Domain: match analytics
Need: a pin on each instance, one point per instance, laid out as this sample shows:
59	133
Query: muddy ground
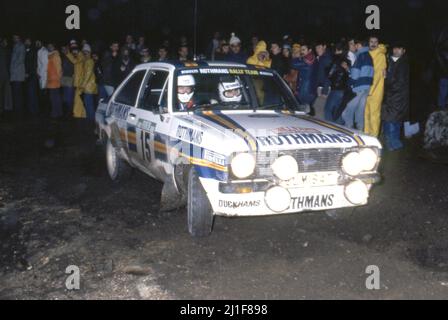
58	208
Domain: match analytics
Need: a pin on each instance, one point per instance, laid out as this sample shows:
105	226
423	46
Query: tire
117	168
200	212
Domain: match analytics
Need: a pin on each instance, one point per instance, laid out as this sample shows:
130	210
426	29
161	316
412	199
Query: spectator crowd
361	84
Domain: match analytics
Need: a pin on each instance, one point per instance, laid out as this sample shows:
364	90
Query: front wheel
200	212
117	168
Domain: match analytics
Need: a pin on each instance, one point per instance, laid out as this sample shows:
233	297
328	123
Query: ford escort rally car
232	140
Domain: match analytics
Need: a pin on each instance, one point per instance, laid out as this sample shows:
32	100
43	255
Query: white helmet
186	81
225	87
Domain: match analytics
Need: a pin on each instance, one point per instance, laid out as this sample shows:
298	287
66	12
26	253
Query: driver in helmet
230	91
185	92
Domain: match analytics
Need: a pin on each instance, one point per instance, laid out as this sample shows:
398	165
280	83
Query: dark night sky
410	20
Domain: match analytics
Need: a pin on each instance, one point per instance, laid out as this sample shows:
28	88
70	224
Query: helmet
226	86
186	81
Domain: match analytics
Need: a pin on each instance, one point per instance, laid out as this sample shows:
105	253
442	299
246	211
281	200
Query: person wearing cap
88	83
395	108
186	85
236	54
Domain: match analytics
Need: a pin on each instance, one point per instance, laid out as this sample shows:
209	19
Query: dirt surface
58	208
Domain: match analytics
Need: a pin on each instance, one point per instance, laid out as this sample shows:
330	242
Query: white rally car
231	140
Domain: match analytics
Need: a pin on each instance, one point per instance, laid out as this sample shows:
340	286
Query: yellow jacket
254	60
375	99
380	65
78	62
88	82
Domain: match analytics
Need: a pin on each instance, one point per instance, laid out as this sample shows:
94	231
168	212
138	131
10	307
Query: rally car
232	140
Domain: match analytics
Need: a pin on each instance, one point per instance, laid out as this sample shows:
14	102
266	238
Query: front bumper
249	200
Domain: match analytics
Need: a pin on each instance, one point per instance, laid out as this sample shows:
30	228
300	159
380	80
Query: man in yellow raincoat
77	58
261	56
375	99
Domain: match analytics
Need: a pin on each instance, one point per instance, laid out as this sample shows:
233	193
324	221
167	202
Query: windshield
231	89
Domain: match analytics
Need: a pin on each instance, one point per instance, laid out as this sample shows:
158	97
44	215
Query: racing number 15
145	139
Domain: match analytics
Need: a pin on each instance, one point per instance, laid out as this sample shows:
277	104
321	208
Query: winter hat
87	48
287	46
234	40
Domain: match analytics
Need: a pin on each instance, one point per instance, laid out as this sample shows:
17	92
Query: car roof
176	65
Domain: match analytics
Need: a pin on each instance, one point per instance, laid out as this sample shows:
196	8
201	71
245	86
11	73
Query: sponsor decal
244	72
147	125
289	130
190	71
214	157
118	111
239	204
312	202
305	139
189	134
213	71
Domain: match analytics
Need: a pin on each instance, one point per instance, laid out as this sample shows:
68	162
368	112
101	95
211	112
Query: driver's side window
155	91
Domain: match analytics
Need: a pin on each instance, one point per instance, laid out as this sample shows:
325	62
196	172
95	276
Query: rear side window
129	93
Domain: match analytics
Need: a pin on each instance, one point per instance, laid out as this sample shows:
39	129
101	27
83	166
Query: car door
122	110
152	121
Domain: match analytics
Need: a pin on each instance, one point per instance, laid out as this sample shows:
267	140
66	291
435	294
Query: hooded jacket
375	99
18	62
253	60
361	75
88	79
54	71
78	62
396	98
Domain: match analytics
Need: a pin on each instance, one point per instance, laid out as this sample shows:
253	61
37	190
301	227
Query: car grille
314	160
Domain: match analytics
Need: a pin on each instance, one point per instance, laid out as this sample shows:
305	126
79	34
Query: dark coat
396	96
338	76
280	64
5	60
31	63
320	73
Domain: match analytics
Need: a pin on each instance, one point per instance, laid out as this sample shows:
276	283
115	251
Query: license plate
313	180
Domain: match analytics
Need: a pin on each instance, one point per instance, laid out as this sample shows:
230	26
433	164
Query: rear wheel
117	168
200	212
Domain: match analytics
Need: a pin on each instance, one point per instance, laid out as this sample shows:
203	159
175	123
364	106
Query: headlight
278	199
357	193
369	159
285	168
243	165
352	164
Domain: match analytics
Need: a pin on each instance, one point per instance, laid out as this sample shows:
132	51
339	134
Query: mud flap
171	198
